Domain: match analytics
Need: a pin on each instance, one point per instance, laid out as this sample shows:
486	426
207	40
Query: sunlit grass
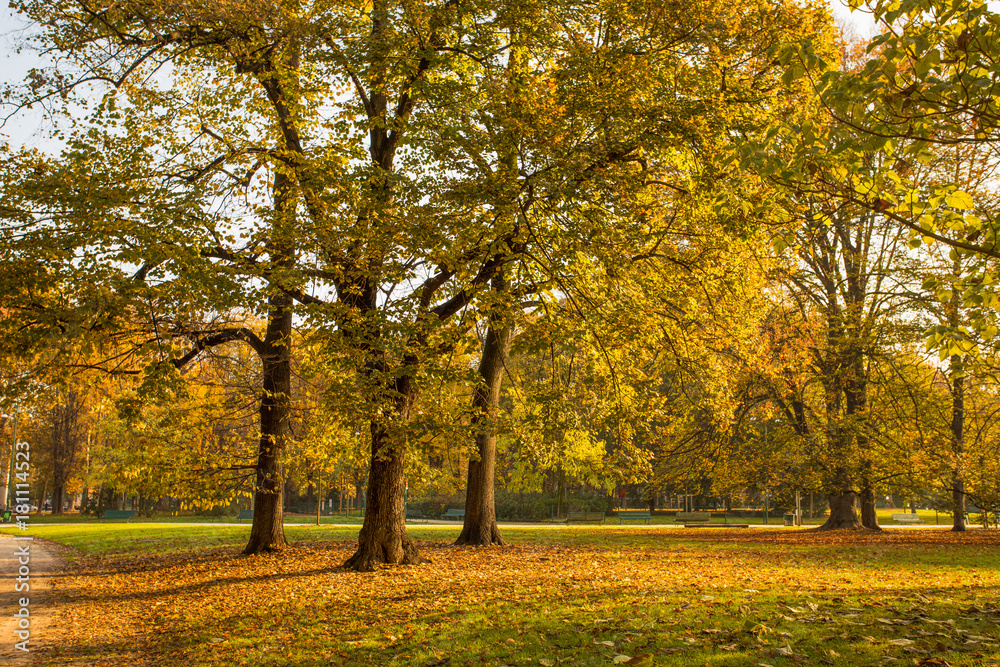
181	595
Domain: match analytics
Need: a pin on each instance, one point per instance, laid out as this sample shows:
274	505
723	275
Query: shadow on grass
677	598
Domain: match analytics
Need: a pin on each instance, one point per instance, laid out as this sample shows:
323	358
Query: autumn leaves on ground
180	595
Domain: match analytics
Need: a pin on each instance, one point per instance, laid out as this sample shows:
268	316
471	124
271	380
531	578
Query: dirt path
44	565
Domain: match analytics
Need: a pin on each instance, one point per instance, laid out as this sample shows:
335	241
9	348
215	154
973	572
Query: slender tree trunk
319	500
383	538
480	527
61	434
268	530
958	445
4	469
561	491
66	435
41	496
6	457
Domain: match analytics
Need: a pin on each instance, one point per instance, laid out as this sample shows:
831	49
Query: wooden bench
454	514
245	515
581	517
415	514
634	515
128	515
906	518
703	520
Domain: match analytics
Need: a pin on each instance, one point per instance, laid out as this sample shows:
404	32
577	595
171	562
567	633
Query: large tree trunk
383	538
842	514
268	530
58	497
958	445
869	519
480	527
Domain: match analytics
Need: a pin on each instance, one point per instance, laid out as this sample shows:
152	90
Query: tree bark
480	527
869	518
957	446
383	538
842	514
319	500
45	486
60	414
268	530
65	442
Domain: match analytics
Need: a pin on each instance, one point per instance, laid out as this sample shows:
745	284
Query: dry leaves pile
906	597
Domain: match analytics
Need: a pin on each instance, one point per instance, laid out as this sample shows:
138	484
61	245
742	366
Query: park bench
702	520
634	515
245	515
906	518
414	514
454	514
581	517
128	515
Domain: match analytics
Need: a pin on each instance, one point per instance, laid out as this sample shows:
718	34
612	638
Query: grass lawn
181	595
189	518
928	517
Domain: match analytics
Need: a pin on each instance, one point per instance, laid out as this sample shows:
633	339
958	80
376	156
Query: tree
677	144
154	171
337	162
854	276
922	87
480	523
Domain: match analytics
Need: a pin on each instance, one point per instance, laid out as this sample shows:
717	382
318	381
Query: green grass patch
157	594
191	518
